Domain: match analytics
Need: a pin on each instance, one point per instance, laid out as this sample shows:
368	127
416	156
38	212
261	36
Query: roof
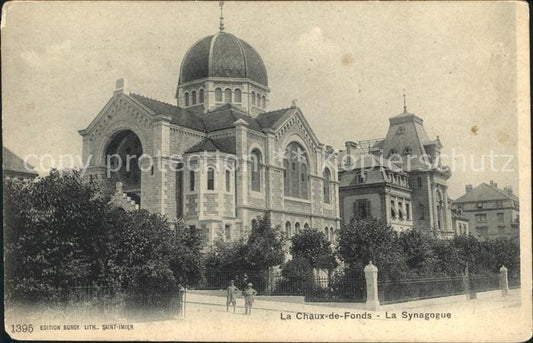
226	144
268	119
222	117
15	164
225	115
222	55
485	192
179	115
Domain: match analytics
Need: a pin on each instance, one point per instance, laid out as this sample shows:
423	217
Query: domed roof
222	55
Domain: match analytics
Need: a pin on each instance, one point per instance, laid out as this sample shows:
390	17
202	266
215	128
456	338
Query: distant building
13	167
492	212
375	188
415	158
460	223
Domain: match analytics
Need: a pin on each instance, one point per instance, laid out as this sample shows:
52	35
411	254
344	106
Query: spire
404	103
221	4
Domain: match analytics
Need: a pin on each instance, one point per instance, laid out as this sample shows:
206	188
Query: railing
336	289
344	288
417	289
514	280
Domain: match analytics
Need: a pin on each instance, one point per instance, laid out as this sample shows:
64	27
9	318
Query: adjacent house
14	167
492	212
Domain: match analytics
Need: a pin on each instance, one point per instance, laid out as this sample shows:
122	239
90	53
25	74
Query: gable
120	108
294	123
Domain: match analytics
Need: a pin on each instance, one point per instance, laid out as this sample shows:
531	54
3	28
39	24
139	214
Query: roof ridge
281	109
153	99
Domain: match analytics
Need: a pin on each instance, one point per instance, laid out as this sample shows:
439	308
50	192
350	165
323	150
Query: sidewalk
485	301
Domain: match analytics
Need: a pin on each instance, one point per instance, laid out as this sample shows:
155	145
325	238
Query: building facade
372	187
218	158
408	148
491	212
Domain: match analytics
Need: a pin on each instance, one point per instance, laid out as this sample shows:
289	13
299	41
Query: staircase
122	199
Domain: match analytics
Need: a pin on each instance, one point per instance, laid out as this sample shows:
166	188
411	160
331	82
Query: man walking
231	296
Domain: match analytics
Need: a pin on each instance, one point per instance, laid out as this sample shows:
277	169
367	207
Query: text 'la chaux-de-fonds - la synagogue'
219	157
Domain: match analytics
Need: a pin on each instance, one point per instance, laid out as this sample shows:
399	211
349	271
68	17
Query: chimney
508	189
468	188
350	147
493	184
121	86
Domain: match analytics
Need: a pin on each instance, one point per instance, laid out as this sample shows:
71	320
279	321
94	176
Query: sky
346	63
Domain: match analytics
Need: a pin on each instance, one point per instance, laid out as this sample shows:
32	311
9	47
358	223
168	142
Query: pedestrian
231	296
249	294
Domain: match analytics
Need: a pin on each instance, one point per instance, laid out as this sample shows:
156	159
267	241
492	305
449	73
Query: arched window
186	99
407	150
227	230
303	180
297	228
421	210
218	95
193	97
191	180
238	96
306	226
258	100
295	174
286	182
264	103
201	96
253	98
288	229
255	156
228	180
332	234
393	152
211	179
326	232
227	95
327	180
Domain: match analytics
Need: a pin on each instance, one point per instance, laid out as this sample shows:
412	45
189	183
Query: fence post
504	283
371	277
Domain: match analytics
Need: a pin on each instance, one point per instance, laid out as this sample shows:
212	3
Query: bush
62	232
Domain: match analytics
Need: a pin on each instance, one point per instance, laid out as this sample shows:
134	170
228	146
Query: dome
222	55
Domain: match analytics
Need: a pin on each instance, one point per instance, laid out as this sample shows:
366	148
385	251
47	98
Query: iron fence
417	289
336	289
514	280
352	288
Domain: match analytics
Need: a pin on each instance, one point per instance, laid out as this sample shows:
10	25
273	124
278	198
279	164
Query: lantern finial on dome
221	4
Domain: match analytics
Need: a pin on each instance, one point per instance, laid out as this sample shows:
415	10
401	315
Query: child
249	294
231	295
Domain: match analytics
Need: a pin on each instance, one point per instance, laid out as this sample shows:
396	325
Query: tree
61	231
416	247
364	240
264	247
312	245
50	226
500	252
